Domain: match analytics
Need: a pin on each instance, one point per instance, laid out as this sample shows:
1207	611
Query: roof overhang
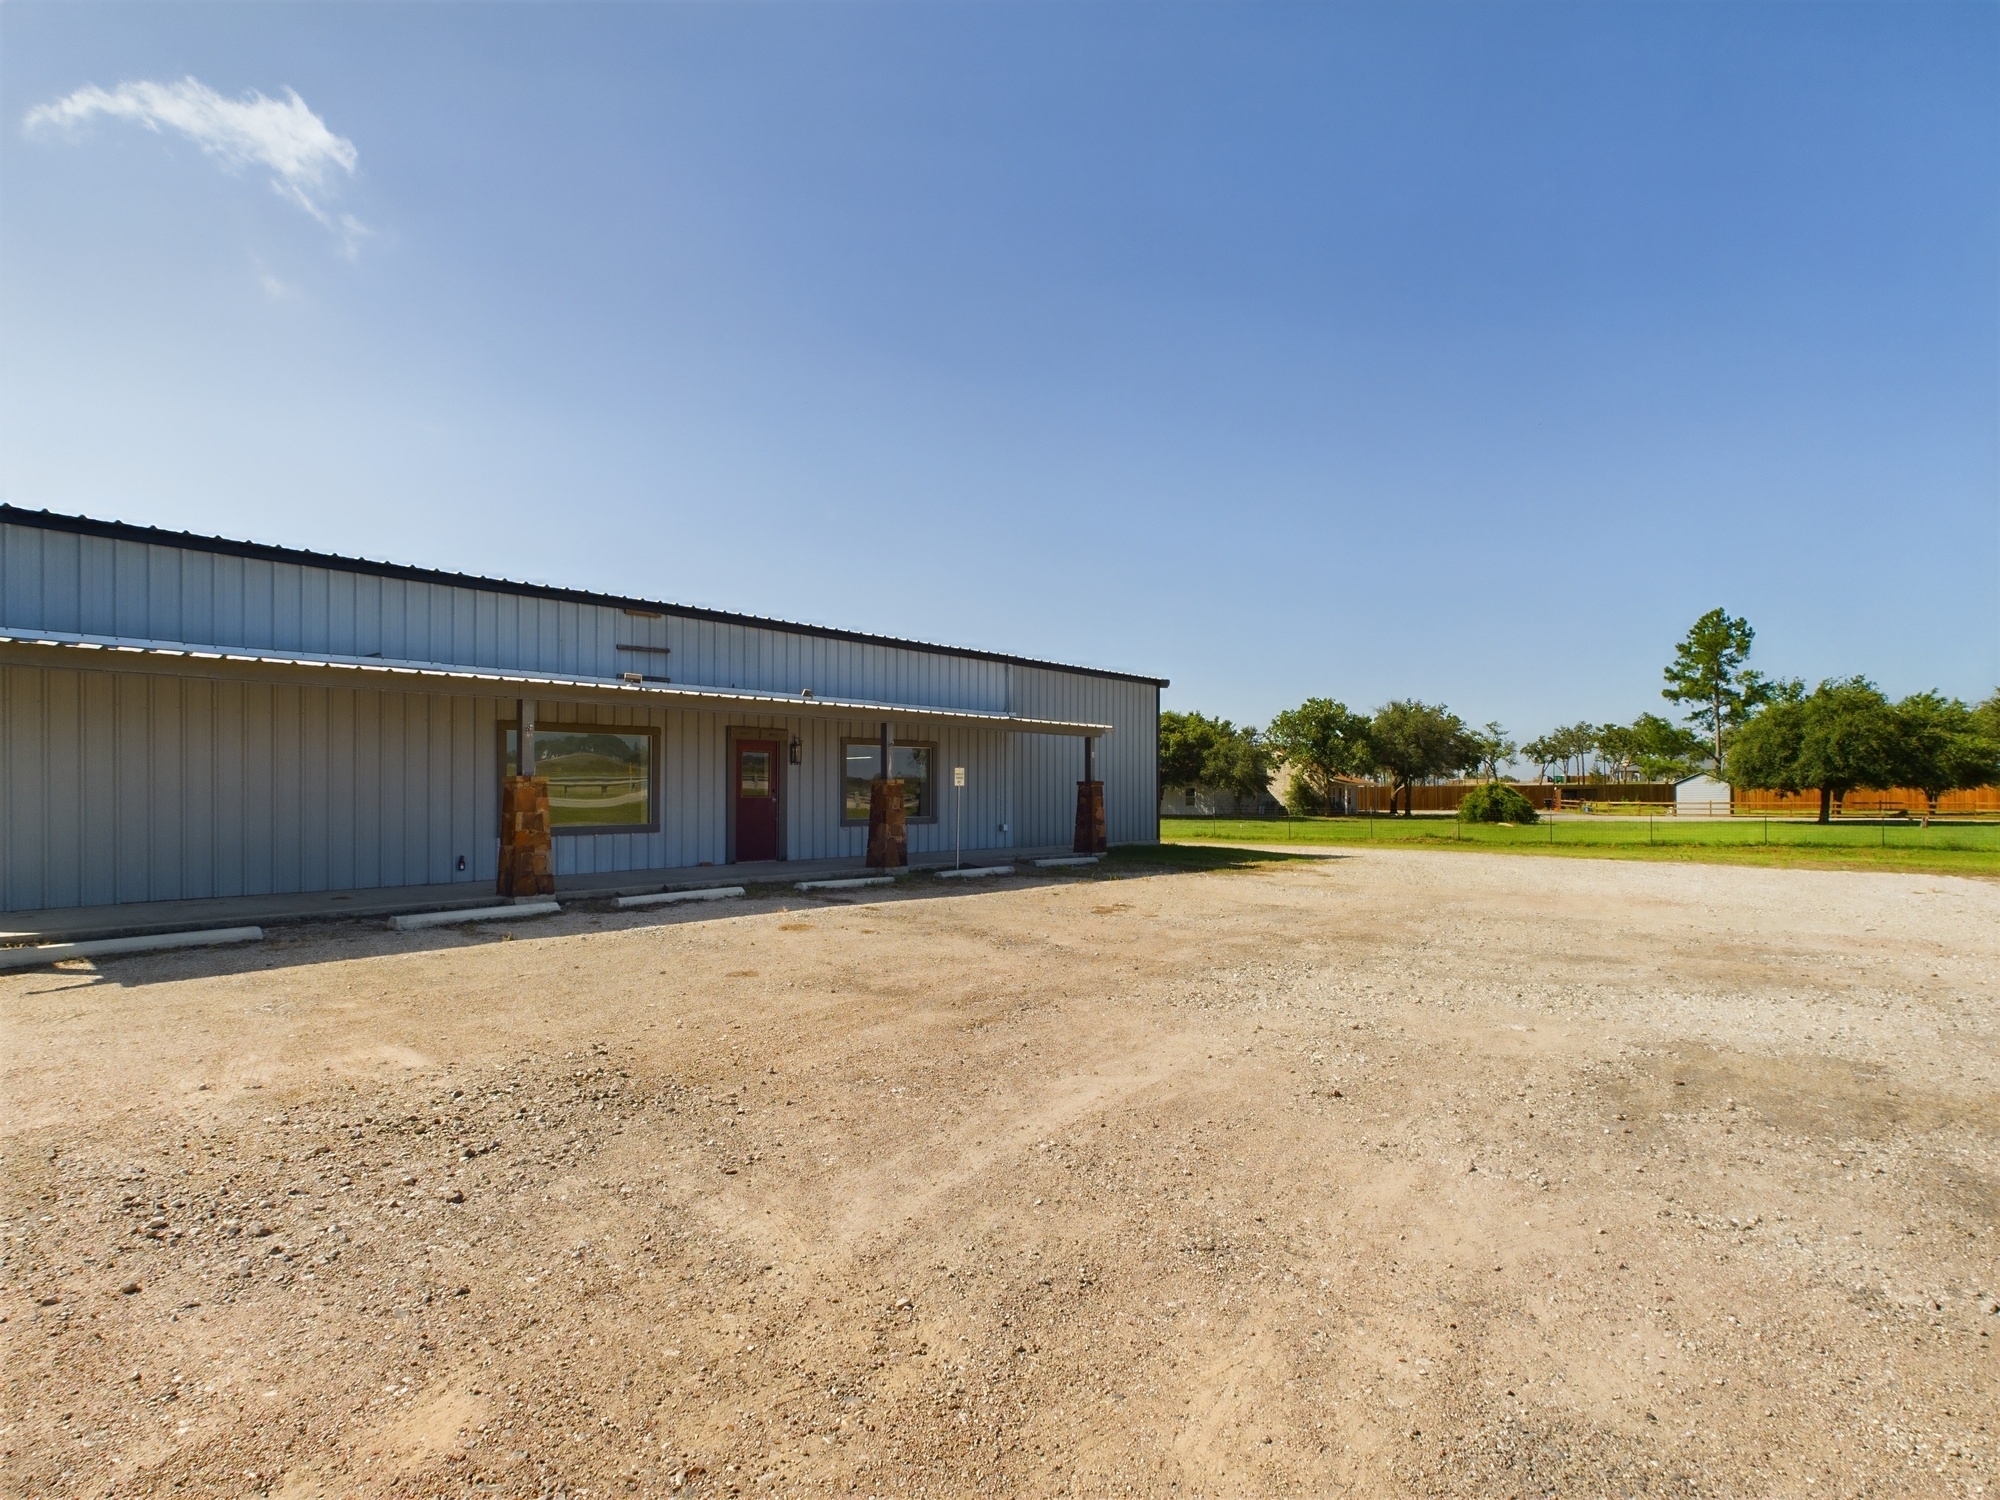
219	663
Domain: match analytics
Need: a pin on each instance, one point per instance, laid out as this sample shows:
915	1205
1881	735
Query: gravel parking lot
1380	1173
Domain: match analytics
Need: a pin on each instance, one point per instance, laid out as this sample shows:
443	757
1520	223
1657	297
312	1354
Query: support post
888	841
1089	804
524	736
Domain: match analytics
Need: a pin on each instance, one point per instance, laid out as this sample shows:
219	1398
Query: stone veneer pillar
526	866
1089	817
888	843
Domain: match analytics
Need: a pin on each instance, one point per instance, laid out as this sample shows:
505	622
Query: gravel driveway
1387	1173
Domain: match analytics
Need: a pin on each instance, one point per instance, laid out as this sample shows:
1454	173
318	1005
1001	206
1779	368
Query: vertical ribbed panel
1127	760
123	786
56	580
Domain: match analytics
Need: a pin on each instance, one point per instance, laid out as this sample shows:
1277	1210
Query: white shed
1701	796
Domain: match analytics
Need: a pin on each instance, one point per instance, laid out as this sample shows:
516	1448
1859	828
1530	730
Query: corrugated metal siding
123	786
57	580
1127	760
126	787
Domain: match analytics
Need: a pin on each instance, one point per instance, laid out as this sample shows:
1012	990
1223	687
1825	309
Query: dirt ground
1386	1173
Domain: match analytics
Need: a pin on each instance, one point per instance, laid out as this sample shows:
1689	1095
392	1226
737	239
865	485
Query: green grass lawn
1943	848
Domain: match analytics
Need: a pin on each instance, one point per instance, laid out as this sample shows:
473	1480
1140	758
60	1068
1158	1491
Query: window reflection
598	777
911	763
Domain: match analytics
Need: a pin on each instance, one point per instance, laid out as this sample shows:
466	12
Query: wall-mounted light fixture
794	749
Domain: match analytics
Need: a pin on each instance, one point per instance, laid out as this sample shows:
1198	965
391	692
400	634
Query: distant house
1213	802
1347	794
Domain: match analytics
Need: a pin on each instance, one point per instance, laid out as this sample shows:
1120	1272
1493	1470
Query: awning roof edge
184	658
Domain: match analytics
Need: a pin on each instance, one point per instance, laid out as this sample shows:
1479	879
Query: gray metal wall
120	786
123	786
56	580
1047	767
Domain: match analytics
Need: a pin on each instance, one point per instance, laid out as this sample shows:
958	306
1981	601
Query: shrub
1495	802
1302	800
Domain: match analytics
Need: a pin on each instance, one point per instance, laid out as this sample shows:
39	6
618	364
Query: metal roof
192	660
159	537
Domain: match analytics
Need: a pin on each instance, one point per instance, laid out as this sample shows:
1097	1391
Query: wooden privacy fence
1645	796
1363	797
1545	796
1872	802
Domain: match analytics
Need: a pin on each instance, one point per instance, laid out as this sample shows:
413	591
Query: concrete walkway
77	923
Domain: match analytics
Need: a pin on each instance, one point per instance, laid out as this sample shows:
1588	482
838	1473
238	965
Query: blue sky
1459	352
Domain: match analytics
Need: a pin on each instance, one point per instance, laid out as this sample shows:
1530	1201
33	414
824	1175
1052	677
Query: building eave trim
53	648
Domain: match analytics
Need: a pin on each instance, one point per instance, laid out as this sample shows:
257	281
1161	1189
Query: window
912	763
600	776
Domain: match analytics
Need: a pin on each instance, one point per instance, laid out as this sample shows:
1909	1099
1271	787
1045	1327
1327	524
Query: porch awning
179	658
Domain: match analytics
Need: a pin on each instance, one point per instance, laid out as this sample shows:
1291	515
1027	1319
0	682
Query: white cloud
280	134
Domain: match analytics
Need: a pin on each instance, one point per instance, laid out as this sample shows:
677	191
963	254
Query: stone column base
526	865
888	843
1089	817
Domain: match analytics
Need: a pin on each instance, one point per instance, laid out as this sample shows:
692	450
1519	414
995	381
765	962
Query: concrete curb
1067	861
663	898
415	920
49	953
844	885
974	872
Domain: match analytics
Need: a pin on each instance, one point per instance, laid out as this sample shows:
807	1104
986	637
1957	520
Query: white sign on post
958	775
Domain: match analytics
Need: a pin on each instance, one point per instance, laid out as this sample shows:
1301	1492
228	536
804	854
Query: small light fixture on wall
794	749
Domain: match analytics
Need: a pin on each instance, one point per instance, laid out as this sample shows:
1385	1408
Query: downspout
1156	763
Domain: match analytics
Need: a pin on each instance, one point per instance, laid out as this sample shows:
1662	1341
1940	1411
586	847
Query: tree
1944	747
1666	752
1414	741
1618	750
1850	741
1656	749
1196	750
1240	763
1569	747
1543	752
1495	749
1186	742
1765	751
1987	714
1319	742
1840	736
1708	671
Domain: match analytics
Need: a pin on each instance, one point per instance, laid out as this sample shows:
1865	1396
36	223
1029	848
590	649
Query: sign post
957	811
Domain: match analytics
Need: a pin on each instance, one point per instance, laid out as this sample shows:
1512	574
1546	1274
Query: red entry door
756	799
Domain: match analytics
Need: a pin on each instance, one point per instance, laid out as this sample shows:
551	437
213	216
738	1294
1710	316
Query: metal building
186	717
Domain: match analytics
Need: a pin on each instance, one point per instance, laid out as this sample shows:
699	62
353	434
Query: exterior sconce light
794	749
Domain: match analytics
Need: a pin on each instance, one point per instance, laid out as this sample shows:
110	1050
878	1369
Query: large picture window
600	775
912	763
